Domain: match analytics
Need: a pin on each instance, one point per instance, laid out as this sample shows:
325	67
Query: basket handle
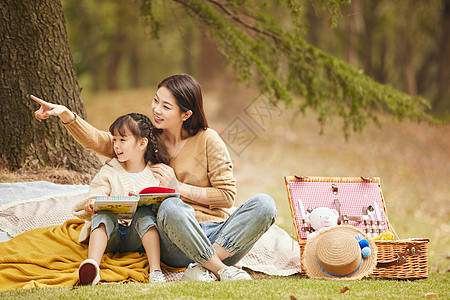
401	258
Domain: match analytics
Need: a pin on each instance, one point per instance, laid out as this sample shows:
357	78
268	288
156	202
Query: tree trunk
406	44
116	48
370	23
35	59
442	102
135	63
354	29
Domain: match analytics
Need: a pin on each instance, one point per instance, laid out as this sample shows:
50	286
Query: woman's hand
49	109
89	206
165	175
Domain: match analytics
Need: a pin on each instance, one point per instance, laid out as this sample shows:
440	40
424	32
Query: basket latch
334	188
413	250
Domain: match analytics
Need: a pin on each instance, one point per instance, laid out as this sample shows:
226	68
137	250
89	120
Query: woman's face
166	112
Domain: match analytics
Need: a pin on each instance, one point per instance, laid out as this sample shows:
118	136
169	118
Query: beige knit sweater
203	161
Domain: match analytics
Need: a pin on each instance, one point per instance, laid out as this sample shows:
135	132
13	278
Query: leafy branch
258	46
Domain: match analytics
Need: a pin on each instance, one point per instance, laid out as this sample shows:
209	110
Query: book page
123	207
158	198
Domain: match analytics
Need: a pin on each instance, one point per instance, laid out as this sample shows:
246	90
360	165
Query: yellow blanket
50	256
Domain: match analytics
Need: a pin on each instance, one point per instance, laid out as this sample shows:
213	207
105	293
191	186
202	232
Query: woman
196	231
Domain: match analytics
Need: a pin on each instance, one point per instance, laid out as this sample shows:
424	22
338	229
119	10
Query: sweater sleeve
222	192
90	137
100	186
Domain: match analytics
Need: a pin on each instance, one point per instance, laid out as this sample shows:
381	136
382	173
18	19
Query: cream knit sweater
112	180
203	161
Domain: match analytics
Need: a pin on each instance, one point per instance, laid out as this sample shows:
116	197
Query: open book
124	207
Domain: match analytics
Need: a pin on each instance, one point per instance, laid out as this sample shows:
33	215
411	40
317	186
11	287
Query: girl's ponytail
156	147
156	152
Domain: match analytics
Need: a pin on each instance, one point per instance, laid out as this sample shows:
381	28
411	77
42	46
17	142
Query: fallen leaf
430	294
293	298
344	289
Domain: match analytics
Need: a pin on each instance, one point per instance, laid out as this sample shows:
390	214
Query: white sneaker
89	272
156	277
196	272
232	273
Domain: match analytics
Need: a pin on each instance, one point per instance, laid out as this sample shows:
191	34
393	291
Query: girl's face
166	112
128	148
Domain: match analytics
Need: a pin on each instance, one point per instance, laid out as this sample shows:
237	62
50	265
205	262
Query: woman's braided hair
141	127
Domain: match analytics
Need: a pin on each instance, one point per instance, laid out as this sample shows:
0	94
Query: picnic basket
351	196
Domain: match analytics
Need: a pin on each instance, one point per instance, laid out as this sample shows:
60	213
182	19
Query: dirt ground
55	175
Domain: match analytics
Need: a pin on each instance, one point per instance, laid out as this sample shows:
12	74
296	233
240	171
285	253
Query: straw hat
335	253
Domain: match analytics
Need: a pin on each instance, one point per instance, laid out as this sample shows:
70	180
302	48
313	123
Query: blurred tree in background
405	44
281	47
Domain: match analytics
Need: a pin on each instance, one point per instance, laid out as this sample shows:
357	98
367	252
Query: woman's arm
219	170
48	109
166	176
87	135
222	193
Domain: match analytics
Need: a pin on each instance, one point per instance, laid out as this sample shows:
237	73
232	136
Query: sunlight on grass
276	288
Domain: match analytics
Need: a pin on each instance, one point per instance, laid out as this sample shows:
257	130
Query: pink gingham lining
352	198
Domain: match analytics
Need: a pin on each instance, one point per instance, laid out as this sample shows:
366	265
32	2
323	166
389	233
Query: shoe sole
87	274
185	278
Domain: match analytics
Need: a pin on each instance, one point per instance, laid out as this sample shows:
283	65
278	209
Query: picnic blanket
45	251
50	256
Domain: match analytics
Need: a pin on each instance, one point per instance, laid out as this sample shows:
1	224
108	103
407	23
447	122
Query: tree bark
35	59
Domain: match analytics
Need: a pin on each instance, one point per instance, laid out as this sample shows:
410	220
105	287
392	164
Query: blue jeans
122	238
184	240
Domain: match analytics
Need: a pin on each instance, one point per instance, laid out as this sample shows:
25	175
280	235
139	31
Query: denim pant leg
181	236
143	220
112	229
245	226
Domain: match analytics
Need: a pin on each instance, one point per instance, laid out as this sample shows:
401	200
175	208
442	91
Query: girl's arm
87	135
100	186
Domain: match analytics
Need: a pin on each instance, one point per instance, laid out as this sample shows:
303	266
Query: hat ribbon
362	259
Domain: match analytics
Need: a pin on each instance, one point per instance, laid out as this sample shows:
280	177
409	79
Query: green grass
412	160
274	288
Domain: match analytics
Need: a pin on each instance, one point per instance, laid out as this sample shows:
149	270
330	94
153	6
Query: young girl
129	172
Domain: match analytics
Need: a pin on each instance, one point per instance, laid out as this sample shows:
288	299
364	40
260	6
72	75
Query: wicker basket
401	259
398	259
